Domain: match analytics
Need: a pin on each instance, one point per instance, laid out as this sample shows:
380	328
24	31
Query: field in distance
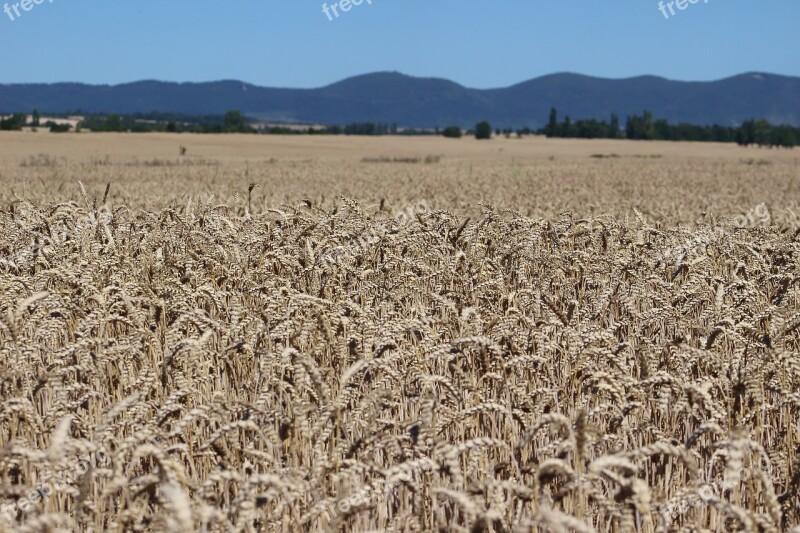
668	182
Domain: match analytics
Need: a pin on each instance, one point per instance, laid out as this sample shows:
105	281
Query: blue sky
292	43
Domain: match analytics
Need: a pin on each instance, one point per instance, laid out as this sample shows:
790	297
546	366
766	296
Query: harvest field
397	334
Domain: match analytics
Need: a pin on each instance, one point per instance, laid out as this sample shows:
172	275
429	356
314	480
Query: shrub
58	128
483	130
452	132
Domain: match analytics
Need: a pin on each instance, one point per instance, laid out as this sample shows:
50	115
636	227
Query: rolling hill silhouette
391	97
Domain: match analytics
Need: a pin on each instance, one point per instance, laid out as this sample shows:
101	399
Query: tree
452	132
114	123
35	118
552	124
235	122
763	132
613	128
14	122
590	129
783	136
483	130
566	129
649	126
59	128
721	134
747	133
641	128
663	130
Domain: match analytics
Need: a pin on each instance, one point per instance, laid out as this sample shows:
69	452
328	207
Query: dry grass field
397	335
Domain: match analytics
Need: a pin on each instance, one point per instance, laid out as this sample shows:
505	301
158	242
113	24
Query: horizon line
402	74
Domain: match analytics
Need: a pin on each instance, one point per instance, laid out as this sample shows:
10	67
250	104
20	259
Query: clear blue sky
291	43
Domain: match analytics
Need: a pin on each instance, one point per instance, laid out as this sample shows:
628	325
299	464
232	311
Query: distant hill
391	97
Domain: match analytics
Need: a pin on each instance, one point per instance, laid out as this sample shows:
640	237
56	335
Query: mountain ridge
409	101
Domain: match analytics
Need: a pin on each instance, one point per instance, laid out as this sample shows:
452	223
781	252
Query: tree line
17	121
636	127
645	127
232	122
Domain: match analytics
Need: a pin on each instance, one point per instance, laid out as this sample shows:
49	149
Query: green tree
762	132
746	135
235	122
663	131
114	123
483	130
59	128
452	132
566	128
552	123
649	126
721	134
613	128
14	122
35	118
641	128
783	136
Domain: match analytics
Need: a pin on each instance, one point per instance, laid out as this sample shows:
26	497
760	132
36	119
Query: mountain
392	97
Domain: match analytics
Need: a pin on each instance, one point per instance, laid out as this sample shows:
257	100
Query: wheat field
348	334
